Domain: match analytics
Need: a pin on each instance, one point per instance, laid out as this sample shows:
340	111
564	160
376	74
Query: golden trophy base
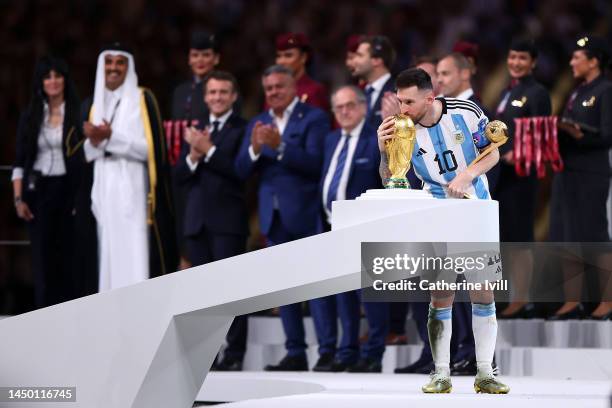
398	183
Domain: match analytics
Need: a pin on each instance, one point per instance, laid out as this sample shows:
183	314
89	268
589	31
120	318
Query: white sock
484	327
440	329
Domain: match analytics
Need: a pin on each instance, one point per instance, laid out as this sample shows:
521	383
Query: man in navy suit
285	146
215	223
372	63
350	168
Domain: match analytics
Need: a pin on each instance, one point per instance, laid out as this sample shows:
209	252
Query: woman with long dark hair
47	138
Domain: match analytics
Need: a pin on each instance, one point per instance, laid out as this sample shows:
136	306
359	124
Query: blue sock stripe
483	310
441	313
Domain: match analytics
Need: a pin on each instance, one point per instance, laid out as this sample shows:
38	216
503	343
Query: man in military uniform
293	51
585	137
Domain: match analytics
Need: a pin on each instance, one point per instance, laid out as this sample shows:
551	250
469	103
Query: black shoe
366	366
324	364
289	363
410	369
466	366
528	311
336	366
228	364
575	313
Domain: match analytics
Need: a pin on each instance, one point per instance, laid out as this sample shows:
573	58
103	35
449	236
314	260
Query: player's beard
417	118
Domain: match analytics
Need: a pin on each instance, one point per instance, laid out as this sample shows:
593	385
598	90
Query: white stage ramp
150	345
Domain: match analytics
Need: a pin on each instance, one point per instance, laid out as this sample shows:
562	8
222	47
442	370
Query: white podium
430	219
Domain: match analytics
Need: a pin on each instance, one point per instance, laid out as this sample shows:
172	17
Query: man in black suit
215	223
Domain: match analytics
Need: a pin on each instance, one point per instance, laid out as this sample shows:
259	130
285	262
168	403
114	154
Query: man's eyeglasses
349	105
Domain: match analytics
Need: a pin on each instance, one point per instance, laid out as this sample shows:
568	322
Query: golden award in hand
399	150
497	133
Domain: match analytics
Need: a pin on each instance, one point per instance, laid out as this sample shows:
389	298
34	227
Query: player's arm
463	180
486	163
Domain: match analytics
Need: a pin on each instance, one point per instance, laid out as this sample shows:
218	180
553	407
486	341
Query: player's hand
389	105
460	184
385	132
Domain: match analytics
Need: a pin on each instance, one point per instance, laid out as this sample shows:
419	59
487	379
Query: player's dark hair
414	77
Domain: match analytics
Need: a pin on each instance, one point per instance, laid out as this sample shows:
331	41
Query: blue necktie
369	91
332	193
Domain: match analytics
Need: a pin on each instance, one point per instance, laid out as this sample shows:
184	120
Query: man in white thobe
117	144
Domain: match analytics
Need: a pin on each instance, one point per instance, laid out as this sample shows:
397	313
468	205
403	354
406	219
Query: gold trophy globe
496	132
399	151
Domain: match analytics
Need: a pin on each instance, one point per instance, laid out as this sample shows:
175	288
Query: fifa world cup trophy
399	150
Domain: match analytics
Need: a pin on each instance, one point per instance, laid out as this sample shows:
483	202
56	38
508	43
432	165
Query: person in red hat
293	51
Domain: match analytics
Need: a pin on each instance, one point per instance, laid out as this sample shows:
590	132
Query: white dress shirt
377	85
280	122
465	95
352	141
211	119
50	157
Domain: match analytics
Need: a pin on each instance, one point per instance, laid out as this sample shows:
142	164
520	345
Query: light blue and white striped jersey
449	146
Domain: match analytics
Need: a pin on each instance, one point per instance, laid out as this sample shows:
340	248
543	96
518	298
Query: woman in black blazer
44	177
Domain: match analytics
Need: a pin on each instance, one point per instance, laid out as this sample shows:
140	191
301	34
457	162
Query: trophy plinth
397	183
399	150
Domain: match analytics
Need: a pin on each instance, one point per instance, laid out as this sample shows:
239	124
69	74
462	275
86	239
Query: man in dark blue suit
350	164
215	223
285	146
372	63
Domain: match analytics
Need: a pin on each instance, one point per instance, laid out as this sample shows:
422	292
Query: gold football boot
489	384
439	383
